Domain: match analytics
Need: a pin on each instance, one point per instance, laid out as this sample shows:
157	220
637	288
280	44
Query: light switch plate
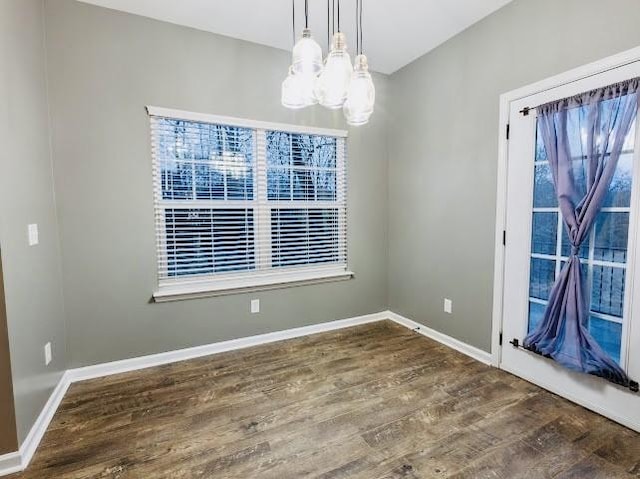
47	354
255	306
448	305
33	235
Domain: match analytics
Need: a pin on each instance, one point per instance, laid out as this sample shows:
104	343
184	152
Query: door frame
615	61
506	100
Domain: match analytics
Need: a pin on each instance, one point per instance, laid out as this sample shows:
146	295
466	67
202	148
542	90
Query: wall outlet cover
448	306
33	234
47	354
255	306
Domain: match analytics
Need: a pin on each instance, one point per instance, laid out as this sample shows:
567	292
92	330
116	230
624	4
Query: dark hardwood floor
375	401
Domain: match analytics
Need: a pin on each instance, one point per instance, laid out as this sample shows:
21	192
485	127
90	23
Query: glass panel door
603	254
537	247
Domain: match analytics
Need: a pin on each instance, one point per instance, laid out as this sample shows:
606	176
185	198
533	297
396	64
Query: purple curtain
583	161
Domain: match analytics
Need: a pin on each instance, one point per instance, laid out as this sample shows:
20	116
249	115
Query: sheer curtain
605	117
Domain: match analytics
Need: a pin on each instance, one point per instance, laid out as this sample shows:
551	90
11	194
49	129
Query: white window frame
263	278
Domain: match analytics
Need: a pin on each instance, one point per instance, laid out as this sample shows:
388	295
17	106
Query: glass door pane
603	254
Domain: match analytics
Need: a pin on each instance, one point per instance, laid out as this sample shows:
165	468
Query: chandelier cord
306	13
328	26
333	17
357	32
338	16
293	20
361	47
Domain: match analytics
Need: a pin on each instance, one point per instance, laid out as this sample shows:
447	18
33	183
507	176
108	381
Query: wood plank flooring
370	402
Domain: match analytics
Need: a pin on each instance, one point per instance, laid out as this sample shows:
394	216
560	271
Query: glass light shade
332	85
292	95
307	55
361	95
307	88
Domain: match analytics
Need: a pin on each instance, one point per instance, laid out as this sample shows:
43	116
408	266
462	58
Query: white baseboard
464	348
32	441
142	362
18	461
10	463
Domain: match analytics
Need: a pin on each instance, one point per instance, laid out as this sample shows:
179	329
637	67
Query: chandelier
333	83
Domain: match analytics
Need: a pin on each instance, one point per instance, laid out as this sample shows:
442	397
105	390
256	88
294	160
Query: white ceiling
396	32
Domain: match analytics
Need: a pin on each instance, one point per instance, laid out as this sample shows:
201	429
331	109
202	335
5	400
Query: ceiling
396	32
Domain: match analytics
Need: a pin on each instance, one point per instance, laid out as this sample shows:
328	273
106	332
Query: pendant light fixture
332	85
336	83
292	95
361	95
307	61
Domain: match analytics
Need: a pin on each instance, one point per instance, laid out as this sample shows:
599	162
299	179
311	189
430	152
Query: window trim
252	283
243	123
267	279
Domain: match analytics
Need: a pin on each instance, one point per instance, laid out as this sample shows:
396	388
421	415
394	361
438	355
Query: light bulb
361	95
292	92
332	85
307	55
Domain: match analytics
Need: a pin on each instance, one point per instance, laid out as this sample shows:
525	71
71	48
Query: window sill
220	287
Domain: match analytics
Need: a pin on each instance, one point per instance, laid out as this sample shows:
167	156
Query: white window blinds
242	203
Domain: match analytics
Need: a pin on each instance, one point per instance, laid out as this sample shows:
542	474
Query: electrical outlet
255	306
448	305
47	354
33	234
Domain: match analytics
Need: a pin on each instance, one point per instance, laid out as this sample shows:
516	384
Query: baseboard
464	348
143	362
18	461
10	463
31	442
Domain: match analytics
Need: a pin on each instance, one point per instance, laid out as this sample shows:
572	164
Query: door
537	247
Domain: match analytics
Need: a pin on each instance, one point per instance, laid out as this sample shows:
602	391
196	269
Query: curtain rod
624	84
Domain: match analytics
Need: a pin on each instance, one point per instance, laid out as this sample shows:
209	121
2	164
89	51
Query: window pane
239	184
301	167
607	291
324	182
301	236
176	180
608	334
545	231
314	151
278	148
204	161
209	182
536	313
205	241
620	190
303	187
541	152
544	193
279	184
541	277
611	237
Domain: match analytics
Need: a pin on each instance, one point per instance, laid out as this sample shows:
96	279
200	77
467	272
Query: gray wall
444	148
104	67
31	274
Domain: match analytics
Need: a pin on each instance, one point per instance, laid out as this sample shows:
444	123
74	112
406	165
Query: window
603	254
244	205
